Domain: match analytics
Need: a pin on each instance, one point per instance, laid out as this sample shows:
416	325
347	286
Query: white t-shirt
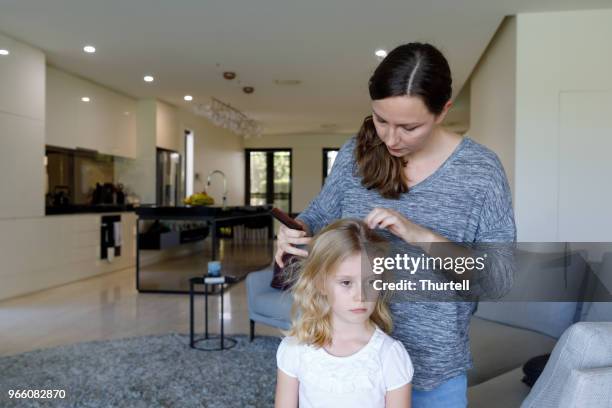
358	380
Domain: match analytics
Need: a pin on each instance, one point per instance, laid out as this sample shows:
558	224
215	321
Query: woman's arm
286	391
399	398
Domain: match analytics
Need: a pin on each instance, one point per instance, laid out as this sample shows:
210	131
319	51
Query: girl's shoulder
392	348
288	356
290	344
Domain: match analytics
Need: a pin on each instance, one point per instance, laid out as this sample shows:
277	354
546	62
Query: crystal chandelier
226	116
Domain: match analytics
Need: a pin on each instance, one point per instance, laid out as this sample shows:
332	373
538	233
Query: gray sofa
503	336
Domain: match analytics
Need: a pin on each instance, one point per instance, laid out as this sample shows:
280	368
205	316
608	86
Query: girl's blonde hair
311	311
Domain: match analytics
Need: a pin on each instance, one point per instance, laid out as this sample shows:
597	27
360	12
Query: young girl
338	353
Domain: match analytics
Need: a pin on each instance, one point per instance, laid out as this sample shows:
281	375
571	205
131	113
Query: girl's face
347	289
404	123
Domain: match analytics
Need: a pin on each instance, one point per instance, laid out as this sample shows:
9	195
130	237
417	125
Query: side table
210	284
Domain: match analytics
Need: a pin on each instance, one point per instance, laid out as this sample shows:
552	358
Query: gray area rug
152	371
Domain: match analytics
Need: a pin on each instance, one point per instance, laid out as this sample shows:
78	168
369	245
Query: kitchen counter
85	209
208	212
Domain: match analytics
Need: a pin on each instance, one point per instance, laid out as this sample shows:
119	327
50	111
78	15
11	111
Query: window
268	178
329	156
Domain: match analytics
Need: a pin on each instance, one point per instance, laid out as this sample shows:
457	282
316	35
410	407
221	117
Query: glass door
268	178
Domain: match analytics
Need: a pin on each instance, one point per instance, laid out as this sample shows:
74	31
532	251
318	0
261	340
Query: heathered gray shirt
467	199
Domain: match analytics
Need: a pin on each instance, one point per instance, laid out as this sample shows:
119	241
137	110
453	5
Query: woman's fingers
294	233
388	221
376	216
288	237
298	241
278	257
295	251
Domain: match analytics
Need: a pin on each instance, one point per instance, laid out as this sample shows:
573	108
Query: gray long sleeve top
467	200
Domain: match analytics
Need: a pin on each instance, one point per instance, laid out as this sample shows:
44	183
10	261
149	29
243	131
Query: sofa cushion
584	345
597	312
544	295
549	318
498	348
601	286
504	391
588	388
273	303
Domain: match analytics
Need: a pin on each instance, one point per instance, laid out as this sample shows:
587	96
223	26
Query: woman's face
403	123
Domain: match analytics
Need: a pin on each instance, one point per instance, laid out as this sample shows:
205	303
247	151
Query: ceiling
327	44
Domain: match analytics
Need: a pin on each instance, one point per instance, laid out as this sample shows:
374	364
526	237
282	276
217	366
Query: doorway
268	178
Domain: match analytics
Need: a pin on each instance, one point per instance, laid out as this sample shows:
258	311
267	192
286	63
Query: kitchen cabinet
106	123
23	80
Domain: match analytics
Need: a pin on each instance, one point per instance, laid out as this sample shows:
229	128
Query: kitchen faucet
224	184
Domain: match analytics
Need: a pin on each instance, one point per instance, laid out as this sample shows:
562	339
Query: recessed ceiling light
85	99
148	78
90	49
4	52
229	75
188	98
381	53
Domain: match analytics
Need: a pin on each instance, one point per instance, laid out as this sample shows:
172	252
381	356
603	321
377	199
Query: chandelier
226	116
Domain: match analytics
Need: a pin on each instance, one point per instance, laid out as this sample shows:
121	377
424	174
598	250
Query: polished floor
109	307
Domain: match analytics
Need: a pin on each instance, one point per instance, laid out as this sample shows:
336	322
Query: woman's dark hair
414	69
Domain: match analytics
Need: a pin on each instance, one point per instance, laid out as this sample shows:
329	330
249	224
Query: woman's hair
311	310
413	69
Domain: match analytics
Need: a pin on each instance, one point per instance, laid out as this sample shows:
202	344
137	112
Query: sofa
504	335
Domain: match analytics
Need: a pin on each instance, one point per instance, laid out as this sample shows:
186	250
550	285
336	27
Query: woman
405	173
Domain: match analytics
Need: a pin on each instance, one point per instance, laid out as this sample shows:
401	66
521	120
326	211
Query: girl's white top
358	380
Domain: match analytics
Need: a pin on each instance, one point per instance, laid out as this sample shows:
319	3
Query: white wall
215	149
562	126
307	165
493	97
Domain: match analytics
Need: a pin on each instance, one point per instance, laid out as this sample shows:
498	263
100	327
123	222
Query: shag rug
151	371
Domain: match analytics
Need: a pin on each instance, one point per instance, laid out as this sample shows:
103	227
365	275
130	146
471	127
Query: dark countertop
213	211
85	209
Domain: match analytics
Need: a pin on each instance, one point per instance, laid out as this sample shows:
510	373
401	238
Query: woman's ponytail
378	169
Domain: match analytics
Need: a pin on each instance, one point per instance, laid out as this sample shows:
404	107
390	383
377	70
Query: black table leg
191	328
138	254
205	311
221	317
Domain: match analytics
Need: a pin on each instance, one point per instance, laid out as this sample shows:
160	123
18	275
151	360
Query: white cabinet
22	125
62	104
106	123
22	80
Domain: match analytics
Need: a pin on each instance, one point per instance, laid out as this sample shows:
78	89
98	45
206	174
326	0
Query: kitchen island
172	243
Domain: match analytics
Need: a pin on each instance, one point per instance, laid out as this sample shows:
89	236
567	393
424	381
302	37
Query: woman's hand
288	237
398	225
